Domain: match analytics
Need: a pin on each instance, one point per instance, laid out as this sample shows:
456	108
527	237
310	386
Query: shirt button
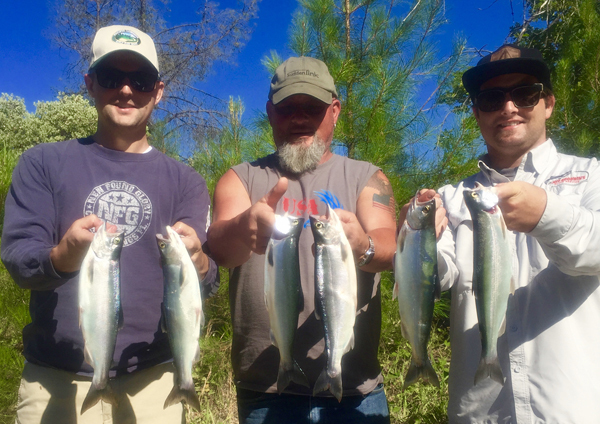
517	369
513	328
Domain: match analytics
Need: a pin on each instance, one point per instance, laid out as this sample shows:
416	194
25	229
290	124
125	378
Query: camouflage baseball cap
302	75
115	38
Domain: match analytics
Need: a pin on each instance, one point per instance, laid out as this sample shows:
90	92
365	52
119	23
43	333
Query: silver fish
492	275
182	315
417	286
283	295
335	293
100	313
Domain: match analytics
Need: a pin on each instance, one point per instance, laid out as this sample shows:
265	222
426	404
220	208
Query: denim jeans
272	408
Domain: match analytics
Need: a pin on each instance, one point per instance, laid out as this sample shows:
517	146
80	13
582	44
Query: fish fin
424	372
120	319
87	356
285	377
403	329
94	395
401	240
395	291
327	382
437	286
163	318
489	369
350	344
273	339
270	257
503	227
318	308
196	355
502	328
186	394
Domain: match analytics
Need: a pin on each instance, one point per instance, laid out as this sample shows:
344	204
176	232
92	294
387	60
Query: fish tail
286	376
95	394
331	383
489	368
424	372
186	393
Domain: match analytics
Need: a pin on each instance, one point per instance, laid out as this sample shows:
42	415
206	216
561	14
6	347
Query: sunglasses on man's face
526	96
113	78
310	109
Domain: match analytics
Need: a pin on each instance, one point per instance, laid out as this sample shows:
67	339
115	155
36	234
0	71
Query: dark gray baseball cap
302	75
508	59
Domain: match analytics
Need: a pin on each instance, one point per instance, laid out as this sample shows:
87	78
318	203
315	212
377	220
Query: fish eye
295	222
162	244
319	225
426	208
117	240
474	195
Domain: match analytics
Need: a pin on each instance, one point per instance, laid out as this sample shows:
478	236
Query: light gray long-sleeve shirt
550	351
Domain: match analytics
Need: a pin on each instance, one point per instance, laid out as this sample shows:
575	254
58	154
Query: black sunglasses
310	109
526	96
113	78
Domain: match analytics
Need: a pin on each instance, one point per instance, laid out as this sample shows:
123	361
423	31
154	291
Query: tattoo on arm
383	198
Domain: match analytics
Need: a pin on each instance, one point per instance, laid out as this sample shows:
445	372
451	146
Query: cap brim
474	77
124	49
302	88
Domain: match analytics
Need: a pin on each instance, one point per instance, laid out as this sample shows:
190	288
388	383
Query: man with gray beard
301	179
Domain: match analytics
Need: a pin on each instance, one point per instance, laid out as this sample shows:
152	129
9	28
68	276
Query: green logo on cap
126	37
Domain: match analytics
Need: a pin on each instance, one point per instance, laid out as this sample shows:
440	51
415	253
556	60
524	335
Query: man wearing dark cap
548	351
300	179
61	191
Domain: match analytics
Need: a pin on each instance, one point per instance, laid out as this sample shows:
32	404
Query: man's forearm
225	243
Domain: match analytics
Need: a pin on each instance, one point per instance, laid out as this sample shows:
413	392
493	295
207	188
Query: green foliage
70	116
391	82
567	32
14	316
234	144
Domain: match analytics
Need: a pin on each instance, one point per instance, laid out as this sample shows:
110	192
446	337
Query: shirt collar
535	161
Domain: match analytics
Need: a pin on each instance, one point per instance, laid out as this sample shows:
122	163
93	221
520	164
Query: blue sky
32	69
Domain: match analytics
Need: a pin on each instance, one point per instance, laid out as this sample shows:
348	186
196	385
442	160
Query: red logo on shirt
571	178
300	207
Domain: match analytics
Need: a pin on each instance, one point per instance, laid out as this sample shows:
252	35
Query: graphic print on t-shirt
307	207
122	204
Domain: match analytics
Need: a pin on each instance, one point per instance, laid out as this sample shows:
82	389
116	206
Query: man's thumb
273	196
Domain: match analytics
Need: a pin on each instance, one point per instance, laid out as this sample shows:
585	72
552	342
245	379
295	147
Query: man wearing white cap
61	191
301	179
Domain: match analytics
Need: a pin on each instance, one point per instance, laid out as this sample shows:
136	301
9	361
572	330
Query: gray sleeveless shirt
255	360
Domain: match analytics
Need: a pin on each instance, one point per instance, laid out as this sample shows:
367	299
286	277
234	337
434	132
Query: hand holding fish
194	247
356	235
522	204
441	220
68	254
260	218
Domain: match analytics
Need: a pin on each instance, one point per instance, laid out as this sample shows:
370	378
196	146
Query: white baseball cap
115	38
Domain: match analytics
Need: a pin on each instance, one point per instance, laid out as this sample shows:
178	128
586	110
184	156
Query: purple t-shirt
55	184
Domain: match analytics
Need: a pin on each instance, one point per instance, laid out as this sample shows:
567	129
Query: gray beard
297	158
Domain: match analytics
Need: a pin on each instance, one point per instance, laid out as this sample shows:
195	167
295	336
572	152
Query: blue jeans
271	408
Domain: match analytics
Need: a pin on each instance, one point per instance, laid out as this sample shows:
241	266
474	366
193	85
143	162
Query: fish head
287	226
168	245
107	244
326	230
481	199
421	214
